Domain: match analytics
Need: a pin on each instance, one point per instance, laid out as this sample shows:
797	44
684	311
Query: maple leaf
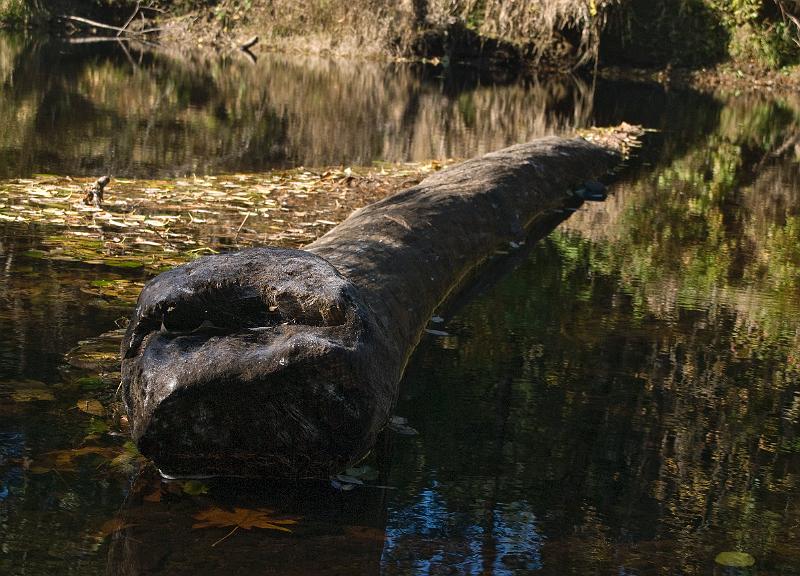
246	518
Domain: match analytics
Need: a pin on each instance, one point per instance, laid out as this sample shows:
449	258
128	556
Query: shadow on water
625	399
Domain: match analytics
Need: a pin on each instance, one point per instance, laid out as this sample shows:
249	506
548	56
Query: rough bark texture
287	362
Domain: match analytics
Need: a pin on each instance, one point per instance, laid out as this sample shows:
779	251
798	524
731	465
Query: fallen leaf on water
399	425
437	332
64	460
32	395
363	472
735	559
241	518
194	488
92	407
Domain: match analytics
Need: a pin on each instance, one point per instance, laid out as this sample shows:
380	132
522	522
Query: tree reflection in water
625	401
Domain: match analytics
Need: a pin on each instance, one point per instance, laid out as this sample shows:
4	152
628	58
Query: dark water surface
621	398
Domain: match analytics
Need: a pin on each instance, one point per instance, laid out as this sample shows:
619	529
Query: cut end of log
261	362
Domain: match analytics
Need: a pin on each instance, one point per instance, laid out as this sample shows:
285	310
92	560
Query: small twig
93	23
117	29
247	44
239	229
96	39
135	12
228	535
127	54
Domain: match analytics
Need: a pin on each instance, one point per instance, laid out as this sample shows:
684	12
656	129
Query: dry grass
377	27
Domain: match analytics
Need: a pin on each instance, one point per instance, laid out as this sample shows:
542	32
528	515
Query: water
620	398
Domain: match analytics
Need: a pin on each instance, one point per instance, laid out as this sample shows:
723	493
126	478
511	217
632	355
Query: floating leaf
347	479
343	486
91	382
366	473
92	407
97	427
194	488
65	460
38	254
32	395
241	518
735	559
399	425
124	263
437	332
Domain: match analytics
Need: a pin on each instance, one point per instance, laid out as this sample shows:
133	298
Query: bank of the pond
699	43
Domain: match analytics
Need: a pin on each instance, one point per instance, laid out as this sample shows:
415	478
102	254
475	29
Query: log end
260	362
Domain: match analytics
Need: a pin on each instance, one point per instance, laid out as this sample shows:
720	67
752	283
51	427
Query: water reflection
626	401
76	109
634	384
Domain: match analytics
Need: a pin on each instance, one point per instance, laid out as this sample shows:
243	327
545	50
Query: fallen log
282	362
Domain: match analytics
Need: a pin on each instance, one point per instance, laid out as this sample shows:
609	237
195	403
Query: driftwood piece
94	194
287	362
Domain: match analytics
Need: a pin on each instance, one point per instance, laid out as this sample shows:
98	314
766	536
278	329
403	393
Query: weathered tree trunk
287	362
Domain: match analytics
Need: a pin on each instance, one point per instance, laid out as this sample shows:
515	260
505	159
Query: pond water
622	397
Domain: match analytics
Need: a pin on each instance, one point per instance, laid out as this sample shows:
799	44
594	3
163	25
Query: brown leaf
242	518
92	407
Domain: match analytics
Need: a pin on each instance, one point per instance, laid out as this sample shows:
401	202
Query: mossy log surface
287	362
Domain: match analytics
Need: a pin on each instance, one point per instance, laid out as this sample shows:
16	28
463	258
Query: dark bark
287	362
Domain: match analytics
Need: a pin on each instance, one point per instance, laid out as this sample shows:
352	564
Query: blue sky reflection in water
621	398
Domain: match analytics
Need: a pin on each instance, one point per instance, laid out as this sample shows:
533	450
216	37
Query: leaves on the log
623	138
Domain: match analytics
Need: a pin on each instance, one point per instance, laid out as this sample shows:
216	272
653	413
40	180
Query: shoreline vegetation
741	44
